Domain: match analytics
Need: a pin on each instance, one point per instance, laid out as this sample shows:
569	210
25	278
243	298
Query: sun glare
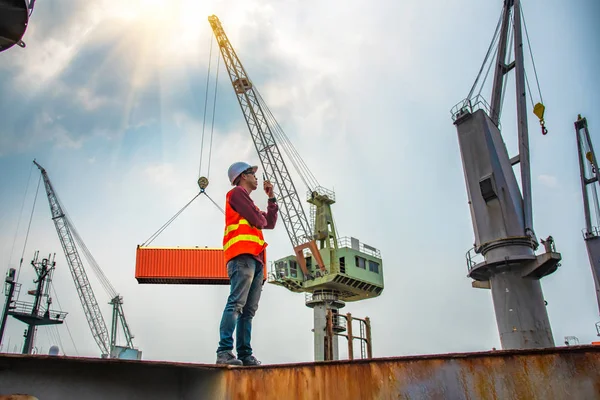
175	19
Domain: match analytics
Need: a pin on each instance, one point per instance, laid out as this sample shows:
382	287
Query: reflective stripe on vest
238	238
233	227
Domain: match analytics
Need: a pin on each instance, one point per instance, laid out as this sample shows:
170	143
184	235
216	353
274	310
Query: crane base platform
555	373
535	267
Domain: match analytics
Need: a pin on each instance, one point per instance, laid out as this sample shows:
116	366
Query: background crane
68	237
588	172
332	278
501	212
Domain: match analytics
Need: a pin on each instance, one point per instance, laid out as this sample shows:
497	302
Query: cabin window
360	262
373	266
343	265
281	270
293	269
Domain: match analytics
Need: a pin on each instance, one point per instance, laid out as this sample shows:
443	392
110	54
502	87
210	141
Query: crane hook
590	157
544	129
538	110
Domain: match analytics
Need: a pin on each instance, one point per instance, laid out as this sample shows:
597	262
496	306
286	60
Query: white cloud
548	180
363	92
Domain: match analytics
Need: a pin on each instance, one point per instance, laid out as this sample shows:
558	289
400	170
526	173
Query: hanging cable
487	72
219	207
21	213
162	228
528	87
212	128
108	287
487	55
301	168
538	108
205	103
19	221
65	322
531	54
511	37
29	227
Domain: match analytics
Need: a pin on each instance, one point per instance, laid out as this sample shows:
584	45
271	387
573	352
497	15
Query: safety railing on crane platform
473	258
591	233
471	105
25	308
323	295
322	192
17	291
355	244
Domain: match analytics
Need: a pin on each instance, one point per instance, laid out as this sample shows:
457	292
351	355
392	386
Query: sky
109	99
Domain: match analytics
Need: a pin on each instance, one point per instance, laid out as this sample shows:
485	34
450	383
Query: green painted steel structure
351	271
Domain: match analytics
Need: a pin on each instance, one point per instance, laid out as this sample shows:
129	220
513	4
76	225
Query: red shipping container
182	266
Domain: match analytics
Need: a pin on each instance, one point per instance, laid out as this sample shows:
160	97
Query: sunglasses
249	172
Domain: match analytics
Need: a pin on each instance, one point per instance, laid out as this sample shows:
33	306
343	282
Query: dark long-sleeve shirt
241	202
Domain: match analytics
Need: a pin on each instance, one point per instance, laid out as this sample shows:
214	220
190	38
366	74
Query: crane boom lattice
329	274
82	283
69	238
292	213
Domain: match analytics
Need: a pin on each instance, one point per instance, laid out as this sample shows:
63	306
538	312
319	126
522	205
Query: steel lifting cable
66	323
492	45
21	213
29	227
539	108
212	128
218	206
487	73
205	103
108	287
531	54
19	222
202	181
301	168
511	37
510	50
162	228
110	290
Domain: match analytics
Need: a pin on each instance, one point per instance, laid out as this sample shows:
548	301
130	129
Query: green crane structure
329	269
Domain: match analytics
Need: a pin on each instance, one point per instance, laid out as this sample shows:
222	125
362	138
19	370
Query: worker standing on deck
244	249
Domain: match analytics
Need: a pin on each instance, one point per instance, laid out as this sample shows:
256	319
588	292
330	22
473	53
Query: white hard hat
237	168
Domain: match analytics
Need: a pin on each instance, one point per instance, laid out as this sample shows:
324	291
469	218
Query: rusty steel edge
375	360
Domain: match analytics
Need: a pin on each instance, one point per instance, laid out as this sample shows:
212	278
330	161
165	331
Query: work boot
250	361
227	358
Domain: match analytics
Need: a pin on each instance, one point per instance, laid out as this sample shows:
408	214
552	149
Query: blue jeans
246	281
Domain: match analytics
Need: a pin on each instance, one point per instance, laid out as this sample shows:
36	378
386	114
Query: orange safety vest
240	237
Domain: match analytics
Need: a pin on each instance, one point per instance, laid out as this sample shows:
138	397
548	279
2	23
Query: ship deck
557	373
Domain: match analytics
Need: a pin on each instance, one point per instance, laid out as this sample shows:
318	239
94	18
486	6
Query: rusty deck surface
558	373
